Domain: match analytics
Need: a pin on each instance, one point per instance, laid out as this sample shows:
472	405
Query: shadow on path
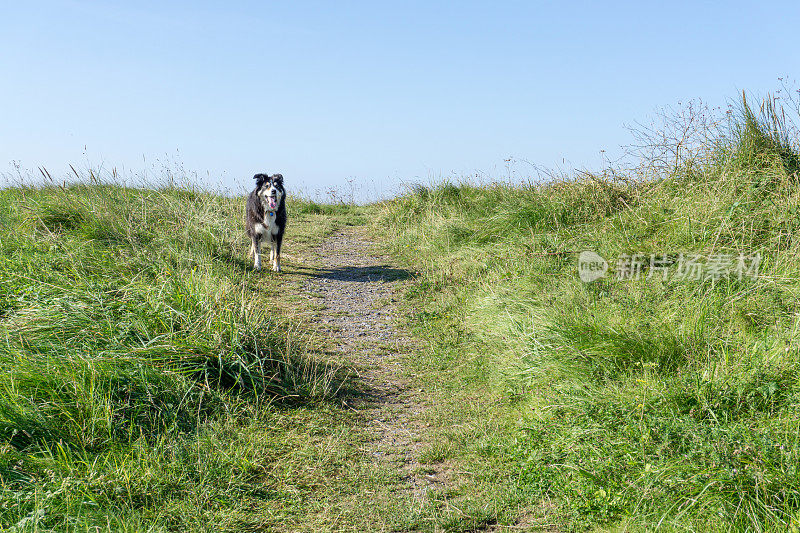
355	273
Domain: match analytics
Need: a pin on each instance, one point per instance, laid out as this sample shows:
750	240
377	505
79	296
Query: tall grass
637	404
142	364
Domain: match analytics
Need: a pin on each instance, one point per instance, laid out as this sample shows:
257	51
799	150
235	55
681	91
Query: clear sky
379	92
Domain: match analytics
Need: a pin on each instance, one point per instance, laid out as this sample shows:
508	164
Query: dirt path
357	293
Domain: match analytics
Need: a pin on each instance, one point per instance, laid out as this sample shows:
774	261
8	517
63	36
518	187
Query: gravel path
357	291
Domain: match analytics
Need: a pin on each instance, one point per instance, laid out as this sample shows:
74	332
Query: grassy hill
151	381
620	403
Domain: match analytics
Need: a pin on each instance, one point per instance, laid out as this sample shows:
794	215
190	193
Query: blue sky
377	92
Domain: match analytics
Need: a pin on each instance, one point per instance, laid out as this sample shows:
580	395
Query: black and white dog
265	218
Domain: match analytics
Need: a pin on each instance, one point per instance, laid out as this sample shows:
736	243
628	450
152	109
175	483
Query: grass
619	404
151	381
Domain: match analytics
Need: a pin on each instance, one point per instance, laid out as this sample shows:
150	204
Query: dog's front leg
276	244
273	256
256	248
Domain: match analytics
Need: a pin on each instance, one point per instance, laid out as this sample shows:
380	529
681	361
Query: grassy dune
150	381
623	403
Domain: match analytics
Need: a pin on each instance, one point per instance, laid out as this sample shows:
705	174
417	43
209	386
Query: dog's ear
278	177
260	179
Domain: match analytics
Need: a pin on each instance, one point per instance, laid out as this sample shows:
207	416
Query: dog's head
270	190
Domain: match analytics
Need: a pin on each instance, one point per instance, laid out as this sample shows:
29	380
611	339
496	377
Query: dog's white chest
269	226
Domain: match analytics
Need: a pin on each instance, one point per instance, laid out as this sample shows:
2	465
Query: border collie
265	218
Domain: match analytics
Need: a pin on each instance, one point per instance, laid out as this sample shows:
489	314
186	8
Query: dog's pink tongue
272	203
